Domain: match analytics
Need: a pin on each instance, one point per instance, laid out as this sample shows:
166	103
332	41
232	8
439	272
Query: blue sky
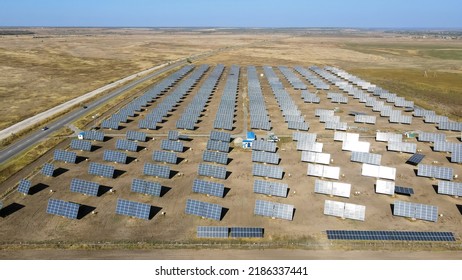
233	13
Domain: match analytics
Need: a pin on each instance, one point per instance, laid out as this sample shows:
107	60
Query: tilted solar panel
161	171
165	156
48	169
24	186
212	232
270	188
274	210
133	209
102	170
146	187
209	188
203	209
63	208
84	187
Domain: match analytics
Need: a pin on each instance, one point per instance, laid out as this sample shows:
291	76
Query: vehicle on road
45	128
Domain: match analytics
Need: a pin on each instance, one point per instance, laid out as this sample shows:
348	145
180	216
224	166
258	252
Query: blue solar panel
63	208
133	209
415	159
48	169
84	187
126	145
93	135
209	188
246	232
102	170
82	145
162	171
164	156
203	209
218	157
212	171
66	156
115	156
24	186
146	187
212	232
404	190
169	145
214	145
136	136
390	235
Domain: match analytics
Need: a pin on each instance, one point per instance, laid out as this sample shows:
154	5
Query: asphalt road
32	139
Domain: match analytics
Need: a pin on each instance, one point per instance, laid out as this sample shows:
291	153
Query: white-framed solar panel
356	146
432	171
304	136
323	112
453	126
378	171
332	188
262	145
385	187
456	156
270	188
323	171
355	212
450	188
415	210
325	118
314	157
265	157
431	137
336	125
368	158
334	208
365	119
309	146
404	147
345	136
388	137
274	210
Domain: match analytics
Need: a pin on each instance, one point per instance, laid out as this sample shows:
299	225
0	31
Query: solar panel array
415	211
225	114
314	80
323	171
225	232
388	137
66	156
212	232
346	137
390	235
450	188
359	146
133	209
304	136
438	172
404	190
209	188
93	135
454	126
431	137
217	157
365	119
416	159
126	145
136	136
82	145
314	157
368	158
213	171
385	187
274	210
270	188
456	155
169	145
441	146
290	76
203	209
265	157
102	170
165	156
435	119
345	210
161	171
262	145
262	170
24	186
259	116
48	169
214	145
63	208
403	147
115	156
146	187
378	171
303	145
84	187
332	188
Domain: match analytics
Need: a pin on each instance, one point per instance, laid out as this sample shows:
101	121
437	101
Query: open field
24	218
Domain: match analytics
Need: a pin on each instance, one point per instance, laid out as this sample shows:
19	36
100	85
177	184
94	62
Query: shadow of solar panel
161	171
246	232
169	145
437	172
390	235
261	170
115	156
415	211
102	170
133	209
66	156
82	145
266	157
415	159
270	188
136	136
48	169
404	190
203	209
220	136
164	156
212	171
368	158
212	232
93	135
209	188
24	186
214	145
126	145
63	208
146	187
84	187
217	157
262	145
274	210
450	188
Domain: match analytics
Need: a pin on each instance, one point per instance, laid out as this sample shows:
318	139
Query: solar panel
136	136
63	208
378	171
431	137
359	146
217	157
390	235
450	188
165	156
220	136
212	171
385	187
456	155
440	146
66	156
267	171
208	188
115	156
212	232
24	186
133	209
304	136
388	137
203	209
262	145
102	170
365	119
454	126
173	135
93	135
146	187
84	187
126	145
402	147
169	145
344	136
332	188
309	146
214	145
82	145
48	169
323	171
437	172
270	188
314	157
246	232
265	157
336	125
345	210
415	159
274	210
368	158
404	190
161	171
415	211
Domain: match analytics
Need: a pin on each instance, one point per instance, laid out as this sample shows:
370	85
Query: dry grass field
26	219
